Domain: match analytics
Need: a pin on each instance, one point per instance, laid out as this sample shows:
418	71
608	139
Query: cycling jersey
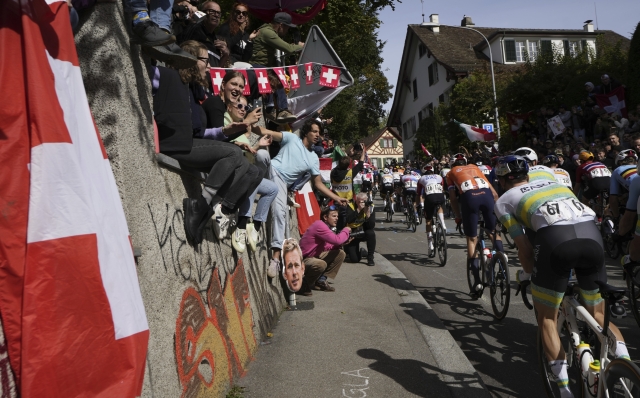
396	177
621	178
541	173
562	176
430	184
634	195
486	170
466	178
475	197
592	170
410	182
367	177
444	172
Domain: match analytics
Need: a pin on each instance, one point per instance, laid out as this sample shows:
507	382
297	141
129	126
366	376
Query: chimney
588	26
466	21
434	18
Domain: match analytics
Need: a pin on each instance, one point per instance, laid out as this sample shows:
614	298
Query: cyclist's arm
614	205
627	221
493	191
525	252
454	204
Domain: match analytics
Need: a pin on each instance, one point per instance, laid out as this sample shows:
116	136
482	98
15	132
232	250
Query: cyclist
561	175
476	196
484	167
595	175
564	237
625	172
397	181
430	188
367	181
386	188
628	220
410	187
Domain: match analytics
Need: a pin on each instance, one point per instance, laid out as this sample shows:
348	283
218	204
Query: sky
621	16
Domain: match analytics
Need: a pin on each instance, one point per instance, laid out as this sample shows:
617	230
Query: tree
633	69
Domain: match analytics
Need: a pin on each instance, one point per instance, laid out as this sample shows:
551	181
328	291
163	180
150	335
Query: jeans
231	176
268	191
159	11
279	212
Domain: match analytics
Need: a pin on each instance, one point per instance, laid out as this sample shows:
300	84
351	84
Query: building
383	146
435	57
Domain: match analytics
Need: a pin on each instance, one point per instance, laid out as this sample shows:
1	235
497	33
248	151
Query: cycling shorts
407	192
472	203
559	248
430	203
398	184
386	188
596	185
366	186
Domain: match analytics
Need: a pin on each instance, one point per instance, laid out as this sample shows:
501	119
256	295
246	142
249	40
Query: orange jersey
466	178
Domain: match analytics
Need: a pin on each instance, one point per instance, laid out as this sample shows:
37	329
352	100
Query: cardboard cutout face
293	269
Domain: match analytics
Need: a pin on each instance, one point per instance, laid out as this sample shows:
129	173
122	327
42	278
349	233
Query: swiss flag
309	210
71	306
613	102
247	87
217	74
295	78
263	81
329	77
283	79
308	72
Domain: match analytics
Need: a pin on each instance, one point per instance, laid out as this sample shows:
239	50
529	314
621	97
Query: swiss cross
217	80
616	106
294	77
306	191
262	80
309	72
329	75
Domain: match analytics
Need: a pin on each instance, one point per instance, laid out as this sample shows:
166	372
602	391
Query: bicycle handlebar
523	287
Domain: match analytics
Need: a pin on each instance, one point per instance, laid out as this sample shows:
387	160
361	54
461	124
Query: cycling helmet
550	159
624	156
527	153
386	170
427	169
458	157
407	171
512	166
585	155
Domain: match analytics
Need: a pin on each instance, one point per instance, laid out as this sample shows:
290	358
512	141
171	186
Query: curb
456	371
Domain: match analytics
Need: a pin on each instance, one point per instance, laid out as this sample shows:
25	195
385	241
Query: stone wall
208	308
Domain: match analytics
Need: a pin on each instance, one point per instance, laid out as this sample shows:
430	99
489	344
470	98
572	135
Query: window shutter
381	143
510	50
545	47
395	142
567	52
431	75
415	88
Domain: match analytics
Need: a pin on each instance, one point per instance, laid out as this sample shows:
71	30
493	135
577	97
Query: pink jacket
320	238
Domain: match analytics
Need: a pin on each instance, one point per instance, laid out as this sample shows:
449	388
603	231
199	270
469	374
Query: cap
575	157
283	18
549	141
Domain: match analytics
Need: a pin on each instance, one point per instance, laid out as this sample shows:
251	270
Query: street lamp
493	77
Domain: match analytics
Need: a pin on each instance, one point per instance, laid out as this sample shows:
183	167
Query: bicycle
579	332
389	207
439	232
411	214
374	191
494	273
608	230
504	233
632	276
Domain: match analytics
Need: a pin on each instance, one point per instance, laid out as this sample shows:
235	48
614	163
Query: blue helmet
511	167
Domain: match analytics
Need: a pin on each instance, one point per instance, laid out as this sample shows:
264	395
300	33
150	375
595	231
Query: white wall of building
557	43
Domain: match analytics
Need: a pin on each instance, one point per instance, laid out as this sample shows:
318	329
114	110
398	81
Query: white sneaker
252	237
220	223
430	243
272	268
478	287
239	240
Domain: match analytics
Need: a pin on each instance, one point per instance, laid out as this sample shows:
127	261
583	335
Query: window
533	50
405	129
510	50
415	89
386	142
573	48
412	127
565	44
433	73
423	114
430	109
441	99
519	51
546	47
422	50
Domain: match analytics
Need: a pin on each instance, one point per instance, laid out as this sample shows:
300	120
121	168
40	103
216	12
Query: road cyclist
409	189
431	191
386	191
594	179
562	176
621	178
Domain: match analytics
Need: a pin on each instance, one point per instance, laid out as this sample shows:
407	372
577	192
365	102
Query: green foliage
633	69
438	133
236	392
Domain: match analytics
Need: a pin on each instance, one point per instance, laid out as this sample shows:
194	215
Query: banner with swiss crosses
283	78
295	78
330	76
263	81
308	72
217	74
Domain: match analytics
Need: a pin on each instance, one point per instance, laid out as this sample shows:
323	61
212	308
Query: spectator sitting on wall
321	249
362	224
204	32
230	91
234	31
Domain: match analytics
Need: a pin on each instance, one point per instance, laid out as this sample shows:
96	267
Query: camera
357	147
356	234
368	203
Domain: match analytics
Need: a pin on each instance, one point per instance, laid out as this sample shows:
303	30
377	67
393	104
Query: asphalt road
503	352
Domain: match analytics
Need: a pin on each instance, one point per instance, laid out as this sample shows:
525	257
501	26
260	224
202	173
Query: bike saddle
611	293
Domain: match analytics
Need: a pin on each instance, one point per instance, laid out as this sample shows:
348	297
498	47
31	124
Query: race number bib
486	172
564	210
410	184
599	172
387	179
475	183
433	188
564	181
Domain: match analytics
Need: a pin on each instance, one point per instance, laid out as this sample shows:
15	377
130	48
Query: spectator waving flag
425	151
283	79
71	306
475	133
247	88
308	72
295	77
613	102
263	81
217	74
329	77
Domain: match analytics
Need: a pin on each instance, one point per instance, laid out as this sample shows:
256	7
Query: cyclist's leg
469	211
429	209
490	222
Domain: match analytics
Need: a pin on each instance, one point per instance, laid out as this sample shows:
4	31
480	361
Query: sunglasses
243	13
205	60
213	12
333	207
243	107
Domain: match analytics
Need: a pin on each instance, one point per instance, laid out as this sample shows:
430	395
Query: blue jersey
410	182
634	194
621	178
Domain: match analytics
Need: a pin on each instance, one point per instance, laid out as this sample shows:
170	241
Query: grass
236	392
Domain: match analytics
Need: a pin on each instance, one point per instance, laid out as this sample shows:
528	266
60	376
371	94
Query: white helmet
627	153
527	153
385	171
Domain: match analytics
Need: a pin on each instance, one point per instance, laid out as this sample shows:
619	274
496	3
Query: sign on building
488	127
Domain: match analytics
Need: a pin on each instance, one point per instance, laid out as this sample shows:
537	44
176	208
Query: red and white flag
263	81
426	152
329	77
247	87
295	78
475	133
283	79
516	120
308	72
309	210
71	305
613	102
326	164
217	74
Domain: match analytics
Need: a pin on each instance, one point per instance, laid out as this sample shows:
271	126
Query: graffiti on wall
7	379
214	342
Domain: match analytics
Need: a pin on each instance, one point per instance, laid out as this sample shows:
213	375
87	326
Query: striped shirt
621	178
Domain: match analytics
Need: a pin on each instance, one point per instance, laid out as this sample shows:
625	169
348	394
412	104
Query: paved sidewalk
374	336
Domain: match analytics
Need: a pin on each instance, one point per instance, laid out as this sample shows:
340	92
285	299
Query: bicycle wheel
633	284
610	247
623	379
507	238
441	243
500	285
413	223
573	371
